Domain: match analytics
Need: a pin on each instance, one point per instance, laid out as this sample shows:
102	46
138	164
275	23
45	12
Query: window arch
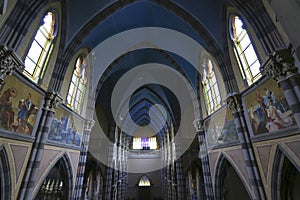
78	84
244	51
144	181
210	86
40	49
58	183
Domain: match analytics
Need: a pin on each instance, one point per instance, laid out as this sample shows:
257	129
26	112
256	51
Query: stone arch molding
164	39
277	170
69	170
6	179
221	162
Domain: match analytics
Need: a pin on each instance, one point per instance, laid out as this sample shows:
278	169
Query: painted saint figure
6	112
24	106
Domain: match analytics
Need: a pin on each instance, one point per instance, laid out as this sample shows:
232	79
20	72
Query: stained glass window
41	49
144	181
211	90
77	85
244	51
144	143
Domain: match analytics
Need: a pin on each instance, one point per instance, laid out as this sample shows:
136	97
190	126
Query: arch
285	177
224	169
264	28
59	177
77	85
5	176
144	181
177	10
41	47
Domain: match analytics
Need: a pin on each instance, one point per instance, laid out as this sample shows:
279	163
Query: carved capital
198	124
89	124
9	62
234	102
52	100
280	65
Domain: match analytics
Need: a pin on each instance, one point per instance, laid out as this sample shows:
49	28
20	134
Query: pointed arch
5	176
285	176
41	48
74	44
144	181
78	84
224	170
59	180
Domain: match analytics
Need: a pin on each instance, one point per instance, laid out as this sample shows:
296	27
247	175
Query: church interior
149	99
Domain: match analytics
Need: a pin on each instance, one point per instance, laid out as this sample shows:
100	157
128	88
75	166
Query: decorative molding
88	125
48	160
9	62
52	100
198	124
280	65
294	147
234	102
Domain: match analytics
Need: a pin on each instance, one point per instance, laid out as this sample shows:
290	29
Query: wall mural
66	127
19	106
220	128
267	109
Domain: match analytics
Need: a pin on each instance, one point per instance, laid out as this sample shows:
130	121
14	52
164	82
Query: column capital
198	124
9	62
280	65
234	102
88	124
52	100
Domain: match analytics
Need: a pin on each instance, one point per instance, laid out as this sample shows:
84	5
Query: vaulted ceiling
123	35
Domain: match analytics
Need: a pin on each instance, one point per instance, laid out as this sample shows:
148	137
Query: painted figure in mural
24	105
272	113
280	119
6	112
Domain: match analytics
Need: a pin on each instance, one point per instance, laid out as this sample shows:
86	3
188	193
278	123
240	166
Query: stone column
108	183
9	62
82	158
234	102
110	171
179	175
281	67
204	159
126	149
52	99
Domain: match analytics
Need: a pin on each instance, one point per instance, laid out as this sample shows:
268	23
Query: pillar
52	99
204	159
82	158
179	175
234	102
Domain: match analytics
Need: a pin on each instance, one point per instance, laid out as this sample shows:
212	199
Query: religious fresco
267	109
220	128
19	106
66	127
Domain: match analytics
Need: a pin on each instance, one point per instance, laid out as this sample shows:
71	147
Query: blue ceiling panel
137	15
